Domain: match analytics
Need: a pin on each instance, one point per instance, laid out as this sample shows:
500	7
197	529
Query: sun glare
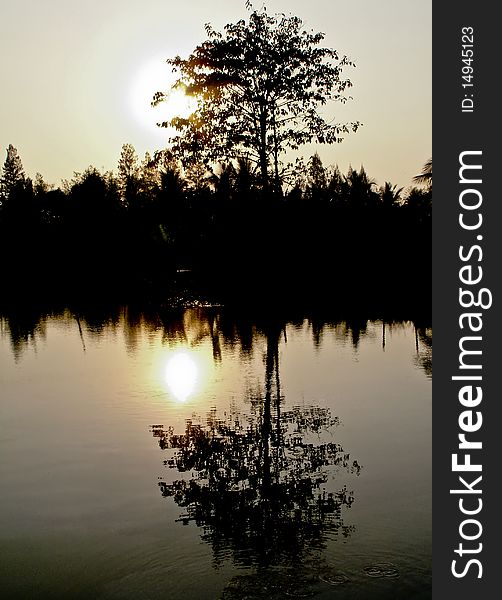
181	375
156	76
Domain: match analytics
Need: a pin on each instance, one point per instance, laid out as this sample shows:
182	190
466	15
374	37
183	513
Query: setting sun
152	77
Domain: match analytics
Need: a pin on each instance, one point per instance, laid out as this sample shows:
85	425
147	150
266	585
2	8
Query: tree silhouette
128	174
390	195
419	204
317	183
149	175
425	177
360	189
223	179
12	174
259	87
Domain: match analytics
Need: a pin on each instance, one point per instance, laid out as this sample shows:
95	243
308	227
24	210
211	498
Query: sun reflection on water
182	374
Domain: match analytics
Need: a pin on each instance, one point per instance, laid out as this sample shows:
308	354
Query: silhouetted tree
94	229
223	179
360	189
259	86
40	186
390	195
418	204
20	214
128	173
128	162
425	177
12	173
149	175
316	177
335	185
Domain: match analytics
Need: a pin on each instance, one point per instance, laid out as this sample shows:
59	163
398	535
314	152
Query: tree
360	188
95	203
419	204
316	177
128	171
259	86
336	184
12	173
390	195
425	177
149	175
40	186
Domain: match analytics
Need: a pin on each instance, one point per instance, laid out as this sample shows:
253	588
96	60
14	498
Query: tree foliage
260	85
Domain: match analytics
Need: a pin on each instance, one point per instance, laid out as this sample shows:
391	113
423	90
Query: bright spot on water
181	375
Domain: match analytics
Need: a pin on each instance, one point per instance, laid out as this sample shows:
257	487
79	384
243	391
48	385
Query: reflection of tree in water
260	486
24	328
423	342
225	329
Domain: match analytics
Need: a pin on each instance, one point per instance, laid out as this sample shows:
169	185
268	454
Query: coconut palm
360	189
390	194
425	177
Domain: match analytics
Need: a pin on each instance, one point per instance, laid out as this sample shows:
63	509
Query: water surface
304	469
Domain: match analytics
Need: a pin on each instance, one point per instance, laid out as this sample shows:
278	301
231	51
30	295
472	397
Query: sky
77	78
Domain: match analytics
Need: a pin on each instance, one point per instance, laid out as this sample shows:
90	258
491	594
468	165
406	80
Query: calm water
199	454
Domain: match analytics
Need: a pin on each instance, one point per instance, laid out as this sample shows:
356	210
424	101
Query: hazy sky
77	77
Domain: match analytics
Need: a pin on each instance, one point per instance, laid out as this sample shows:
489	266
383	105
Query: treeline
140	225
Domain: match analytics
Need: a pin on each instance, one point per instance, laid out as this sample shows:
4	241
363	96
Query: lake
204	453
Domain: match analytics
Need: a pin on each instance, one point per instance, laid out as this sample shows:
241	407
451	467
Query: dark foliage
101	233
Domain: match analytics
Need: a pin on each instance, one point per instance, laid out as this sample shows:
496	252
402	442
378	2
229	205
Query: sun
178	104
156	76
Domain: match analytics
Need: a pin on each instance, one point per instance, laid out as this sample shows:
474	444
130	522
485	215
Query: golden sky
77	77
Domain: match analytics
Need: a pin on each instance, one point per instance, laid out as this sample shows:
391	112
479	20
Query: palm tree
425	177
360	189
390	195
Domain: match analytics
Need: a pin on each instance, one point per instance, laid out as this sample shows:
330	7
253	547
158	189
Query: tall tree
128	170
149	175
12	173
260	86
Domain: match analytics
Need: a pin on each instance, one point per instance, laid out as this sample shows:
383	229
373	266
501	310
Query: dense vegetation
139	225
